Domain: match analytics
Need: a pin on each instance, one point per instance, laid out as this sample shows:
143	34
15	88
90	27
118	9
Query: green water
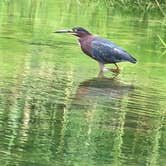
53	108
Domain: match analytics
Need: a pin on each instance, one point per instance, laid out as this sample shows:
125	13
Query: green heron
101	50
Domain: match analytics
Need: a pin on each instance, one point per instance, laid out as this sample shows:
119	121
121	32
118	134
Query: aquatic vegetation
139	5
162	41
53	108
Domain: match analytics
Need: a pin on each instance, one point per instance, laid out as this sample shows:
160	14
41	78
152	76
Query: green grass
138	5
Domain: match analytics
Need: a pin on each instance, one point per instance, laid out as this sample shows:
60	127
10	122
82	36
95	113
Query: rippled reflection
52	109
102	91
117	124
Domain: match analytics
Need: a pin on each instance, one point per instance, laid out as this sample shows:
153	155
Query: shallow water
54	110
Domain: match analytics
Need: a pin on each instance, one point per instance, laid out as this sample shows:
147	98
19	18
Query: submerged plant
162	41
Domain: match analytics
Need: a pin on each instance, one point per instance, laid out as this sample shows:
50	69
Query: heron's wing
107	52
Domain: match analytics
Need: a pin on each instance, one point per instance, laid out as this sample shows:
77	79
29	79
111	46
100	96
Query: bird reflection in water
101	90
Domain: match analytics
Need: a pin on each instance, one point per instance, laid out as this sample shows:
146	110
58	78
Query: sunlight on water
54	110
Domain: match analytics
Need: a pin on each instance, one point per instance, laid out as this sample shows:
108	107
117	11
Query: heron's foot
116	71
105	69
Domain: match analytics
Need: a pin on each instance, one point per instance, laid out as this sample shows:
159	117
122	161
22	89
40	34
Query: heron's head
76	31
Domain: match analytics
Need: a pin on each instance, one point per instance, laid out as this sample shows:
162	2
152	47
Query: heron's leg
101	72
101	66
117	70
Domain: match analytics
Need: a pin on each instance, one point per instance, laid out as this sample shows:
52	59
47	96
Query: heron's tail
132	60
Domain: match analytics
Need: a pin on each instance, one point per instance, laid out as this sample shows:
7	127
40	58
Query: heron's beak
64	31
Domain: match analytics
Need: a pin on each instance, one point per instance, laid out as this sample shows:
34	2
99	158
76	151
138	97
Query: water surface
54	110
